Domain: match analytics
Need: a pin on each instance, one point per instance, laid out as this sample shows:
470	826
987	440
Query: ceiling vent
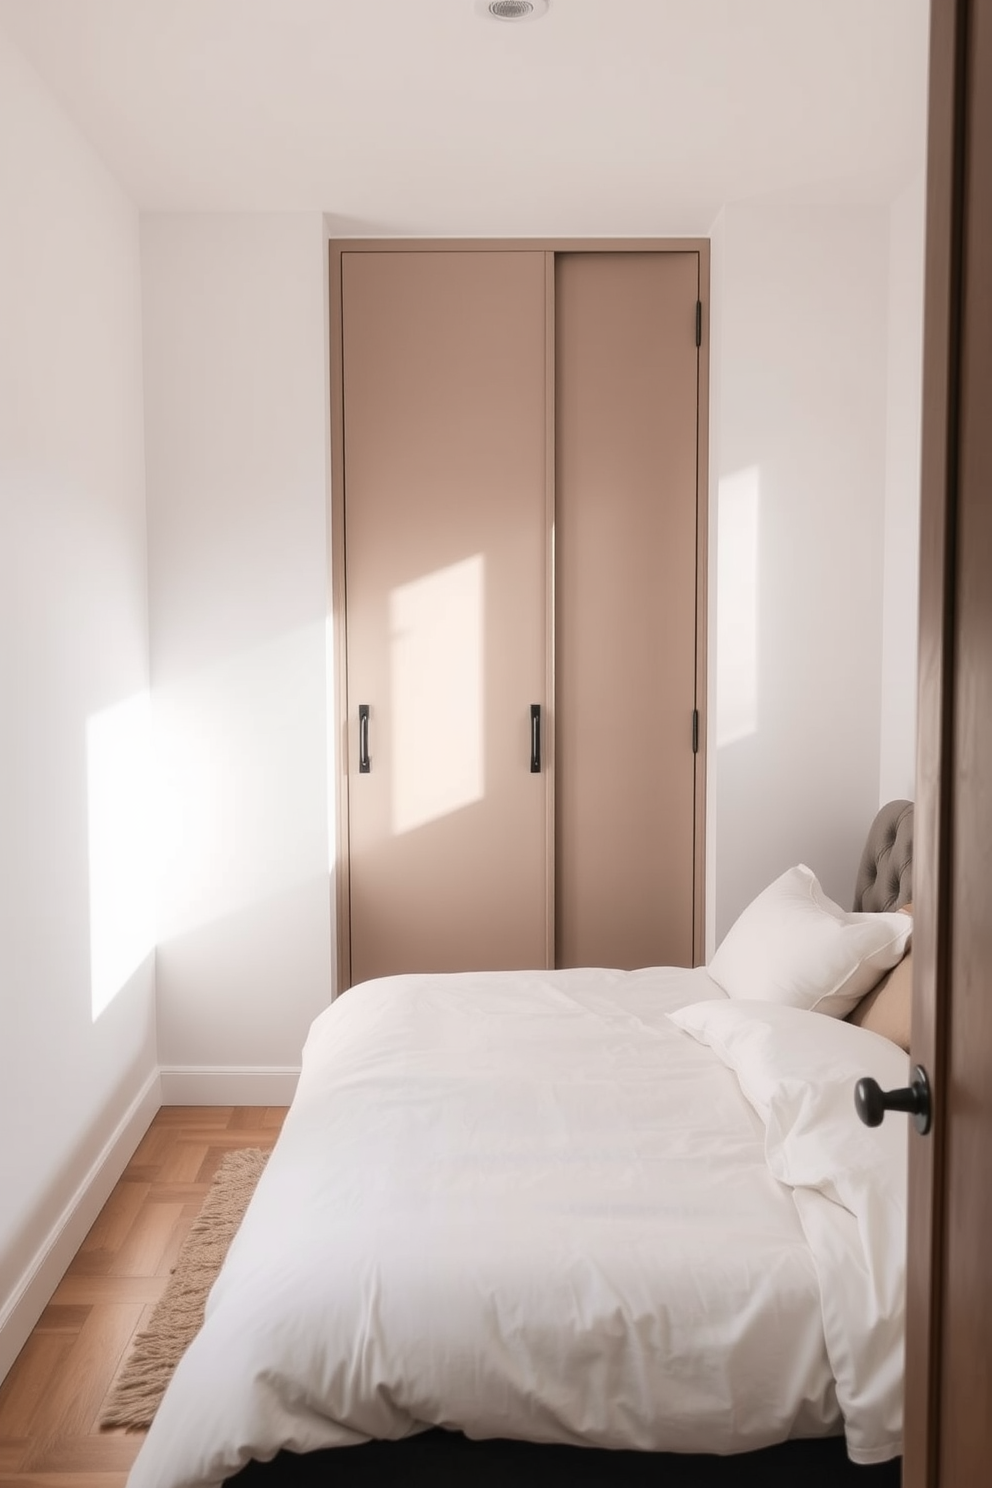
512	10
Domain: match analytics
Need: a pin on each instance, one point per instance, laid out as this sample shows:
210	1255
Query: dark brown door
949	1325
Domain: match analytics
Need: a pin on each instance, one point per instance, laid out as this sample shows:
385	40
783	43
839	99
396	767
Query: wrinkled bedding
531	1205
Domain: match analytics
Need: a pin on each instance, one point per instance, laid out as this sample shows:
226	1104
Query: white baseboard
32	1293
228	1085
176	1085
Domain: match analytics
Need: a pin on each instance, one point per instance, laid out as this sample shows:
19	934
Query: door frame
341	892
935	764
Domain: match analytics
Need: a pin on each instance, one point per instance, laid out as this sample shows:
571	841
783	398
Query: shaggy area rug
178	1314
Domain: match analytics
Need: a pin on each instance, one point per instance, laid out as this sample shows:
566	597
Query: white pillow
795	946
791	1067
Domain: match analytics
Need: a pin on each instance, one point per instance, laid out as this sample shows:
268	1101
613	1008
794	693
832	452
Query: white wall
225	319
236	393
799	503
236	418
900	592
76	1082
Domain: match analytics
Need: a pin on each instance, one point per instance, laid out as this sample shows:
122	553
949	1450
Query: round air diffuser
513	10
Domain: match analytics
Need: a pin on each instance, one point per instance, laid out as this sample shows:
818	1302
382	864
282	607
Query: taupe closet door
445	460
625	628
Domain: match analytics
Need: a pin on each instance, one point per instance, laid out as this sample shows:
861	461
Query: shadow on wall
239	992
738	505
797	696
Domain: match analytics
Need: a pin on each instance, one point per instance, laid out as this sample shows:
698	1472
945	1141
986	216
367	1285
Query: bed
630	1212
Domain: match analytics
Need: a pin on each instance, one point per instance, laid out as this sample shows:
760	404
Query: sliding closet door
445	383
626	566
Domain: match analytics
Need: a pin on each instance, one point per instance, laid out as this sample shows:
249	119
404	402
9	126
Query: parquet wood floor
50	1402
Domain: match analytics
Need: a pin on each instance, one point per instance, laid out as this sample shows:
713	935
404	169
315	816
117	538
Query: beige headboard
885	875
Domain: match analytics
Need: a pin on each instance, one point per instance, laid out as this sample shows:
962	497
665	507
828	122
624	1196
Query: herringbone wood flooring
51	1400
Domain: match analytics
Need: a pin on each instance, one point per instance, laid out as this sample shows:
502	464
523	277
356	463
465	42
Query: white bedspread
519	1205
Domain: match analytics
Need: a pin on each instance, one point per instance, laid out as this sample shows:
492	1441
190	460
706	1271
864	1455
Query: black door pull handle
872	1101
364	763
535	738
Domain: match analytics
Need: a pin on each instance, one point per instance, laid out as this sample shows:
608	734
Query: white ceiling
605	116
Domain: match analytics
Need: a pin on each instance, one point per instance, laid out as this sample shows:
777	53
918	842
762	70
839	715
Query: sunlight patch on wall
118	756
240	761
436	625
737	606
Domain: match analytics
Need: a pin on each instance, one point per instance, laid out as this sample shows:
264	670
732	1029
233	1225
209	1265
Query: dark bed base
445	1459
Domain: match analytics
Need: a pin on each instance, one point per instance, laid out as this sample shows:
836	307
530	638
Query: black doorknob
872	1101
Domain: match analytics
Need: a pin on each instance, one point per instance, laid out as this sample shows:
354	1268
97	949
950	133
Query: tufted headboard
885	875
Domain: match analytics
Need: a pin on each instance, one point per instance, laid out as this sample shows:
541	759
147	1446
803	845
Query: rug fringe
178	1315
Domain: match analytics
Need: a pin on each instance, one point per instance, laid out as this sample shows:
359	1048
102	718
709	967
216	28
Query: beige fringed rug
178	1314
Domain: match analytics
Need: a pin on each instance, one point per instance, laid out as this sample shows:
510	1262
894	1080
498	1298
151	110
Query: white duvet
533	1206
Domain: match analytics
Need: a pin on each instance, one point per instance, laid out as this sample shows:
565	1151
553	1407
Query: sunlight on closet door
436	665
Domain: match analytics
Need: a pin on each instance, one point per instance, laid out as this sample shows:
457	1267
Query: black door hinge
695	730
699	322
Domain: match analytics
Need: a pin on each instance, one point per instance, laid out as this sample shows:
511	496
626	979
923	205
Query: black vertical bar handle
364	763
535	738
